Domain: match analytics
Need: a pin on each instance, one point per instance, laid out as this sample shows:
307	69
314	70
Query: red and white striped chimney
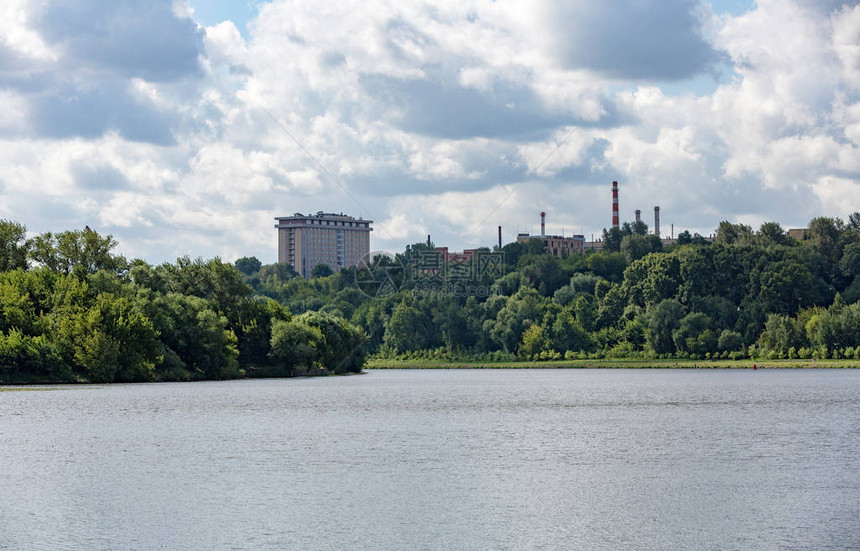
543	224
614	204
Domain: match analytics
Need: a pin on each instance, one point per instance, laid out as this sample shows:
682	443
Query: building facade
557	245
336	240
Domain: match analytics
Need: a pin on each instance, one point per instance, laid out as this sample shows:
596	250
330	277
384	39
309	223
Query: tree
13	246
854	221
321	270
610	308
608	265
213	280
850	262
730	341
196	340
694	334
568	334
520	311
110	341
408	329
663	319
543	273
248	265
533	342
651	279
785	286
729	233
639	228
296	347
343	350
612	239
781	333
824	237
635	247
85	250
771	233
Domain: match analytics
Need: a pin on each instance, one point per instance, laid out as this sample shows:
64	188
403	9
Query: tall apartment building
337	240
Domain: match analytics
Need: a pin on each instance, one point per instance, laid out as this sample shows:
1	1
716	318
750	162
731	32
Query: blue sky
184	127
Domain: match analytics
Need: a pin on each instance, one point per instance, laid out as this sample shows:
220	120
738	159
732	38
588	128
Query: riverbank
617	364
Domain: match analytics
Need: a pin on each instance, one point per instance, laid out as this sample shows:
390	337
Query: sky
186	127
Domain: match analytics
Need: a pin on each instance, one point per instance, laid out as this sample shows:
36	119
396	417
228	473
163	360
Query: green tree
608	265
533	342
408	329
112	341
663	319
248	265
296	347
771	233
520	311
344	347
612	239
729	233
730	341
780	333
13	246
635	247
652	279
197	341
85	250
694	334
854	221
27	356
568	334
543	273
321	270
849	265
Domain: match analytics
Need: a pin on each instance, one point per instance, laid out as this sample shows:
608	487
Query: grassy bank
617	364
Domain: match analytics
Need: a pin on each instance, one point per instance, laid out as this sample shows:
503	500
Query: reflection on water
519	459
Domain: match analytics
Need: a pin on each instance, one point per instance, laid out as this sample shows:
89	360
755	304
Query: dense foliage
81	313
743	294
72	310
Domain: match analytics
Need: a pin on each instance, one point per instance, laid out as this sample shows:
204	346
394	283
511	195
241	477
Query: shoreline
617	364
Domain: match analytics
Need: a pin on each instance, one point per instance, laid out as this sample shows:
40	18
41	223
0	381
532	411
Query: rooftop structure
336	240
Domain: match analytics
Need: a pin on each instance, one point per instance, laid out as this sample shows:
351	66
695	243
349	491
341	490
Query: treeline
743	294
71	310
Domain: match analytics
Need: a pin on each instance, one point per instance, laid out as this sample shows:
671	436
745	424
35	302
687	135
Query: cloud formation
447	118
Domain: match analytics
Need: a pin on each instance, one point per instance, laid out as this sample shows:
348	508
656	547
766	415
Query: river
444	459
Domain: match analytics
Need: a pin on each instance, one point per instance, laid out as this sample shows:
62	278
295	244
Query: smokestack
428	239
614	204
543	224
500	238
657	221
638	216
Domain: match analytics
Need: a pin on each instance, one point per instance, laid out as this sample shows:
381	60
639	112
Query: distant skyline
185	127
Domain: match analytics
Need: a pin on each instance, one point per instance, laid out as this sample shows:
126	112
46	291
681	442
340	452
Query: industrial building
336	240
557	245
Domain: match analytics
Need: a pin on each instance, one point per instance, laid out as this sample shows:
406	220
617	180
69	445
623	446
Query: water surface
448	459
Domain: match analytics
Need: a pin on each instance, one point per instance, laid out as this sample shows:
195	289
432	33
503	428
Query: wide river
448	459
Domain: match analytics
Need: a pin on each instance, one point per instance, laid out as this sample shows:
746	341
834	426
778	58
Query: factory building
337	240
556	245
